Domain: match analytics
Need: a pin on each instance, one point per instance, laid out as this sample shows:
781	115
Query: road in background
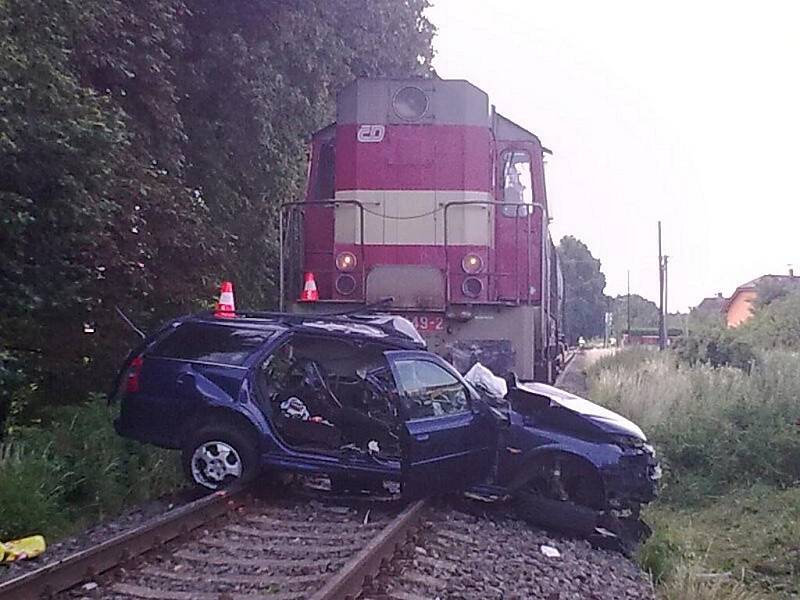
573	379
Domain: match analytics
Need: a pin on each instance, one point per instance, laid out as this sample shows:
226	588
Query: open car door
448	442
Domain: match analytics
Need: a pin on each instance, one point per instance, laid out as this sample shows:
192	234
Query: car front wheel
216	457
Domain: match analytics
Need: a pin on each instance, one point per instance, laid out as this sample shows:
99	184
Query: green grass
728	522
72	470
749	541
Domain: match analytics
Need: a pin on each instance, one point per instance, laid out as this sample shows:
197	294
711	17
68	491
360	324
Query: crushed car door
447	440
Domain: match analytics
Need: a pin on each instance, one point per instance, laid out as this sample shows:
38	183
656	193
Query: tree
584	283
775	324
644	313
772	288
144	149
91	218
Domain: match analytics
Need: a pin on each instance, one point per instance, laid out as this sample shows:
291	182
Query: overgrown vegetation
72	469
144	150
728	521
716	346
774	325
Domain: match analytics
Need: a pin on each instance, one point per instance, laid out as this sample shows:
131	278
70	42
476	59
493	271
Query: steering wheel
311	374
439	398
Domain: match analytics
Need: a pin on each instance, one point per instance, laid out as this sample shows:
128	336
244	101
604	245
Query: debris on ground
22	549
549	551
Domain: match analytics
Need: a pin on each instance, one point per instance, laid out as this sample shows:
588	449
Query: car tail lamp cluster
132	375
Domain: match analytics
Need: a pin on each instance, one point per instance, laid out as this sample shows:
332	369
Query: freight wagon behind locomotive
423	200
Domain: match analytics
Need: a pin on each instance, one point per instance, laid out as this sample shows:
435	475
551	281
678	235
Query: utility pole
666	297
662	343
629	305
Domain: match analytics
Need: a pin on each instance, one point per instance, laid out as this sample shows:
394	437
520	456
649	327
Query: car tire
216	456
559	515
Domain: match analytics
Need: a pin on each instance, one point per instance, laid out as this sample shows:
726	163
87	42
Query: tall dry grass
714	427
730	443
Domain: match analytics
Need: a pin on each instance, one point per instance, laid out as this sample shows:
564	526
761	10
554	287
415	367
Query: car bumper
136	423
633	480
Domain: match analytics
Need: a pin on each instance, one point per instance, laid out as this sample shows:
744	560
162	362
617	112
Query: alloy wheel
214	463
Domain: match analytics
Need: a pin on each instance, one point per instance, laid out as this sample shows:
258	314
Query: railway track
236	546
569	357
232	546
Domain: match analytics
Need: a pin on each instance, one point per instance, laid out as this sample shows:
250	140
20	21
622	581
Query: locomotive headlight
472	263
346	261
345	284
472	287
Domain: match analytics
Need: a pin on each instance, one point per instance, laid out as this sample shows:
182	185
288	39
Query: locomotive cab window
517	184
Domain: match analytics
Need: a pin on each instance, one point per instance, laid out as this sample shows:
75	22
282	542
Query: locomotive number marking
424	323
371	133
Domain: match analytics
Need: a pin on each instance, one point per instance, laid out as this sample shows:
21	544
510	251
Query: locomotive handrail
529	234
528	208
319	203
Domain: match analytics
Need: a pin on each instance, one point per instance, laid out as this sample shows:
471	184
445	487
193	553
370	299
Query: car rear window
205	342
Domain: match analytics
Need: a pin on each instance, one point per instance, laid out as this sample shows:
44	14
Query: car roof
388	329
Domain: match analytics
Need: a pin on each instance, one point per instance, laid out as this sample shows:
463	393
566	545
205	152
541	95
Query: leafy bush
716	346
12	383
75	469
774	325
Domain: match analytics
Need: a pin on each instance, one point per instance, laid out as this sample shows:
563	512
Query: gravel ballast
460	555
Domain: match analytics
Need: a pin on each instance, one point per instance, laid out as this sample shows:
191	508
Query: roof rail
389	324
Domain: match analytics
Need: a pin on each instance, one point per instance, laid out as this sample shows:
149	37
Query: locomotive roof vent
412	100
410	103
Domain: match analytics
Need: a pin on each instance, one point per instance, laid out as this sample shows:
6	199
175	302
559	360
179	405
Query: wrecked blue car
357	403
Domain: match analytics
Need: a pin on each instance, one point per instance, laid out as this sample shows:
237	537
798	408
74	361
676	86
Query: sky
684	112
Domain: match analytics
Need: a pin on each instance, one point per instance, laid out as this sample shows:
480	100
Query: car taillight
132	375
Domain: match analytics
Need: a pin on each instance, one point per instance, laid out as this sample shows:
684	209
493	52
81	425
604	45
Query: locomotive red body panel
423	198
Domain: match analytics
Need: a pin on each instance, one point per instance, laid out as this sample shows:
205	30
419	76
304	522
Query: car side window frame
154	349
405	413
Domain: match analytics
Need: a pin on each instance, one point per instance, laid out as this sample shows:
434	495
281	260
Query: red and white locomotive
425	201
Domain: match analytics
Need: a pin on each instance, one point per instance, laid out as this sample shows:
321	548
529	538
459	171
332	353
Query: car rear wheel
216	457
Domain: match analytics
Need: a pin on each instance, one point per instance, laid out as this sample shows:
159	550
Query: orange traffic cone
309	293
225	305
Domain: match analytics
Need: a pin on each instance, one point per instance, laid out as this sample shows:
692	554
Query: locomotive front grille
410	286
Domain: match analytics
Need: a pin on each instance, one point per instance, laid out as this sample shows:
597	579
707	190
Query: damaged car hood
607	420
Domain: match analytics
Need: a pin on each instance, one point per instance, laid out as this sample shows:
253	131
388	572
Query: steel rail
567	362
86	564
351	578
